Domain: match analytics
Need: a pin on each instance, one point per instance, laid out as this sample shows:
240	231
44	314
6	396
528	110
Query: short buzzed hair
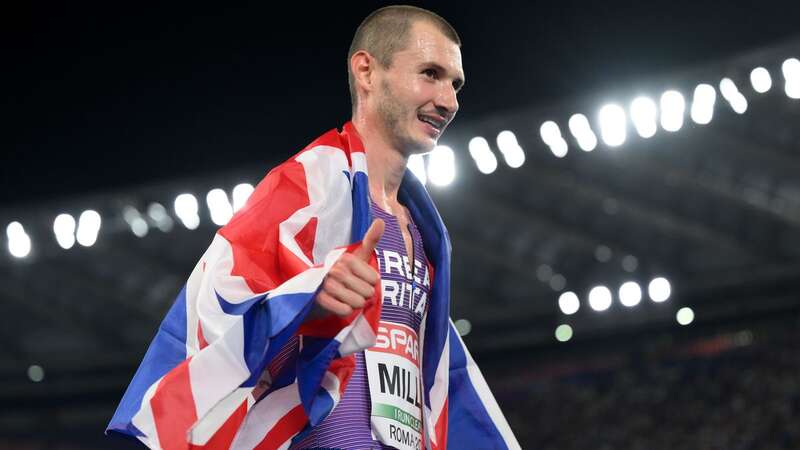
385	32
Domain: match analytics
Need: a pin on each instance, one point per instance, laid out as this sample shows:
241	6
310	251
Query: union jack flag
233	366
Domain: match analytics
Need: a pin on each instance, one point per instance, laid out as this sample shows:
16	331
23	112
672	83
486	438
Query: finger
327	302
363	271
341	293
356	283
370	241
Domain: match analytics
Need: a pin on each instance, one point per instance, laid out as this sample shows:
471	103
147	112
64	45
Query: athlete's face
416	95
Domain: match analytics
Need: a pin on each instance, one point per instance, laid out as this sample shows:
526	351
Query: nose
446	100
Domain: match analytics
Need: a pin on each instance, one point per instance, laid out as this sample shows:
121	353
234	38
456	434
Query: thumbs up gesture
351	280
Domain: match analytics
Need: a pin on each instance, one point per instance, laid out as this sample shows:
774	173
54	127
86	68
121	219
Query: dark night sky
98	97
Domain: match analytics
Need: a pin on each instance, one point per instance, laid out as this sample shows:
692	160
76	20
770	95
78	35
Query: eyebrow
458	82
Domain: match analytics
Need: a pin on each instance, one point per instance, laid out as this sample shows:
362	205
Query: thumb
371	238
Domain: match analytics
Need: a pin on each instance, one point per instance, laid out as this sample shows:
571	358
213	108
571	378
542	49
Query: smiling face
415	97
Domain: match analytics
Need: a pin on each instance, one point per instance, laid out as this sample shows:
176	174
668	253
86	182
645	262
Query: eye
431	73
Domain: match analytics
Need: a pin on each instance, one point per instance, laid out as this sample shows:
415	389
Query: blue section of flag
166	351
437	247
469	424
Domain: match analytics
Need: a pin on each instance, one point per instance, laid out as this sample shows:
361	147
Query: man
284	338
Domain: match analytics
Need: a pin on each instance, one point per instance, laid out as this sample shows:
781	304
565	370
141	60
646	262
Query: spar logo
399	340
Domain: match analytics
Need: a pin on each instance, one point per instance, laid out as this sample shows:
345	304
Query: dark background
108	95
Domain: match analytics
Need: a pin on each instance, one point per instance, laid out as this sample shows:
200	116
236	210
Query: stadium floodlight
582	131
19	243
563	333
600	298
613	127
673	107
630	294
219	206
241	192
659	289
416	164
685	316
64	229
441	165
158	214
509	146
35	373
791	73
482	155
731	93
186	209
761	80
703	103
463	326
569	303
643	116
138	225
88	227
551	135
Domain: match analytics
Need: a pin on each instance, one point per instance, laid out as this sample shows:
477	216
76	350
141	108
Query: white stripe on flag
264	415
205	428
144	421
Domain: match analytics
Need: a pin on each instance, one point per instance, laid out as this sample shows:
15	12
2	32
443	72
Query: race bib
395	387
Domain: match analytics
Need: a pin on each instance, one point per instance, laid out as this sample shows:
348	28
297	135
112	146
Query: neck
386	164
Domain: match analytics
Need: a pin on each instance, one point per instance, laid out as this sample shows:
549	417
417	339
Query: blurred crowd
735	391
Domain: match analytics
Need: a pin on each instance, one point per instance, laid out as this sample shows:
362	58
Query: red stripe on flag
441	429
288	425
253	232
223	438
305	238
173	408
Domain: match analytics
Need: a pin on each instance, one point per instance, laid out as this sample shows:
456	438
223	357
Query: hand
351	281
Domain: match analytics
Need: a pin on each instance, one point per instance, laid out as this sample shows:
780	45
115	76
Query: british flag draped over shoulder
217	374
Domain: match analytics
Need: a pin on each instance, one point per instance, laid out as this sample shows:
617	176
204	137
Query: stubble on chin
392	113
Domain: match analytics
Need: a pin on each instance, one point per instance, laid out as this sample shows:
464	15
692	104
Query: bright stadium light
135	220
219	206
64	229
551	135
791	73
569	303
643	115
509	146
463	326
731	93
563	333
416	164
186	209
673	107
158	214
760	79
630	294
482	155
600	298
685	316
19	243
88	227
659	289
612	125
703	104
241	192
442	165
582	131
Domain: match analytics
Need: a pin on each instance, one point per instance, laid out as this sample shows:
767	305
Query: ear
362	65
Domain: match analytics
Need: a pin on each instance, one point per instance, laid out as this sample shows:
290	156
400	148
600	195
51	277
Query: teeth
433	123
